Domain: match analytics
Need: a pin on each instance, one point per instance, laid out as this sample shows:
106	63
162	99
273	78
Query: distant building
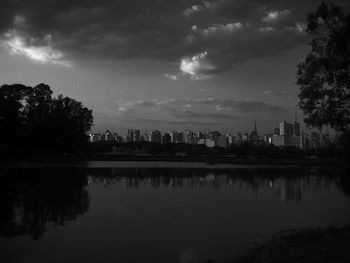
118	139
166	138
278	140
296	128
305	141
254	135
245	137
222	141
95	137
173	136
136	136
285	129
230	139
200	135
108	136
144	137
180	137
288	134
268	138
207	142
155	136
297	131
237	138
130	135
189	137
214	135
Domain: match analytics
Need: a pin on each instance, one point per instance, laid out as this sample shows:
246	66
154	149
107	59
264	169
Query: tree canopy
324	76
32	119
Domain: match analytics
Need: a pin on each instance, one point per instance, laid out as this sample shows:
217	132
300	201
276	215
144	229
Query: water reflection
33	199
288	184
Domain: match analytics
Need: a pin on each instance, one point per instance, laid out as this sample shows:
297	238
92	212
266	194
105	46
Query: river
159	213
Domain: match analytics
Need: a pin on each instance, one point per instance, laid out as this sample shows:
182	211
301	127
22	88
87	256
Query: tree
31	118
12	112
38	110
324	76
69	123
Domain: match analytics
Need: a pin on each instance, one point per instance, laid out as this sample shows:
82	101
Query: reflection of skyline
293	189
284	184
31	200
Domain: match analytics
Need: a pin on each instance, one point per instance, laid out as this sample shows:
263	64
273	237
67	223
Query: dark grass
311	245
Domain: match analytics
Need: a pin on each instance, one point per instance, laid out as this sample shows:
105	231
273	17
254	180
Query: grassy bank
331	244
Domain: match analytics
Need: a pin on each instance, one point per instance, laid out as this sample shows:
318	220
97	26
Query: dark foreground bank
329	244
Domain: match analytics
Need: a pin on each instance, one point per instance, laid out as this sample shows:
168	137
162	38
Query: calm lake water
63	214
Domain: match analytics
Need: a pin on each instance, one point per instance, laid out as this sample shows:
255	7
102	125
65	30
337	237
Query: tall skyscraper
296	125
137	136
285	129
130	135
173	136
254	134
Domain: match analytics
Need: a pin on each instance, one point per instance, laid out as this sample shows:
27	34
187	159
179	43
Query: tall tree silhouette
32	118
324	76
12	113
69	122
38	113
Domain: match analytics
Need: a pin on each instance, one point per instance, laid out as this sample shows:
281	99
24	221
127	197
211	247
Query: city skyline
167	64
254	127
286	134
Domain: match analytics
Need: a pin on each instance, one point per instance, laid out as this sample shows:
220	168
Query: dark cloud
228	31
209	108
189	114
186	112
237	106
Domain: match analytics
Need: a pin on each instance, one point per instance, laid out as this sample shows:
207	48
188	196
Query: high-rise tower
296	124
254	133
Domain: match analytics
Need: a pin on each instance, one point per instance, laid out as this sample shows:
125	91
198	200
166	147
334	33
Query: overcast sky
163	64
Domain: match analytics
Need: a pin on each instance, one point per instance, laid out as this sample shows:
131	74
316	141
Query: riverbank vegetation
33	121
311	245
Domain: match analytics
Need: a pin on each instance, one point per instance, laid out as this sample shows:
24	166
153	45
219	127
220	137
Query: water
62	214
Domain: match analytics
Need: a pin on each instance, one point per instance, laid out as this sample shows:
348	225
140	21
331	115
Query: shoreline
167	161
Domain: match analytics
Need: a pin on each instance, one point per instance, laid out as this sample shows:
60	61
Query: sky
162	64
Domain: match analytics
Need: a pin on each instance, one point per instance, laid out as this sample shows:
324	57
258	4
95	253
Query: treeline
245	150
32	120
